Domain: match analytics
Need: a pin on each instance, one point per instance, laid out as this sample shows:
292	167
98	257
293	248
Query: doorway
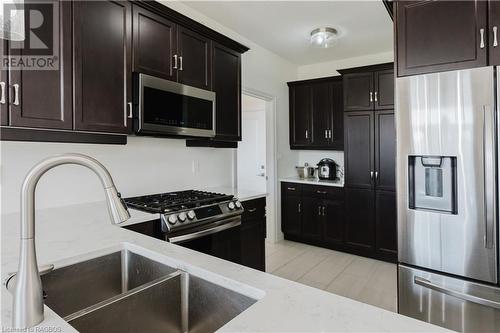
251	153
255	162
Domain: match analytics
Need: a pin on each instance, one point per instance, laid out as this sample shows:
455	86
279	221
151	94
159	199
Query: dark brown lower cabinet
360	219
354	220
386	243
253	234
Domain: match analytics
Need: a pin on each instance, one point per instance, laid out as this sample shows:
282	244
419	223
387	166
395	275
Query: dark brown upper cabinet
194	62
434	36
494	31
165	49
42	98
226	82
4	87
358	91
102	68
359	149
155	43
369	87
385	150
316	114
300	115
383	96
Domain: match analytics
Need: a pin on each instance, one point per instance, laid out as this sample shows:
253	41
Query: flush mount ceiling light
324	37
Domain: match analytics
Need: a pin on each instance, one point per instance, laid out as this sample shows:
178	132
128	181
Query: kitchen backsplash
144	166
314	156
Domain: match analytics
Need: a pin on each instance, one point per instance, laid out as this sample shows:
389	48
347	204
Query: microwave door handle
455	293
489	175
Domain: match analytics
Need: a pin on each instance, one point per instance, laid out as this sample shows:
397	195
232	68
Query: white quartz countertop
240	193
72	234
313	181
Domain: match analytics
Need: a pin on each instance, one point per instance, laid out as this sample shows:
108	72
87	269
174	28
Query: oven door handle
231	223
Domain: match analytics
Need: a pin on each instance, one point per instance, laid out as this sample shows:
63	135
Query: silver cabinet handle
307	134
329	134
2	92
299	207
489	176
371	175
495	39
180	64
319	210
454	293
326	134
16	94
481	32
129	104
376	99
252	210
323	211
321	192
175	61
376	176
290	188
371	97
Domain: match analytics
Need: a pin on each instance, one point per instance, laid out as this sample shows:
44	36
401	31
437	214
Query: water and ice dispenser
433	183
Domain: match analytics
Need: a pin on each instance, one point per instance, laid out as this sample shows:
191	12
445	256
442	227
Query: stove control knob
182	217
191	215
172	219
238	204
230	205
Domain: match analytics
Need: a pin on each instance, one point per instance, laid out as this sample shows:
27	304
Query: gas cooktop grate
174	201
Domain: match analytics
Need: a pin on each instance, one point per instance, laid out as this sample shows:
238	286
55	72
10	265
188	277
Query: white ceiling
283	27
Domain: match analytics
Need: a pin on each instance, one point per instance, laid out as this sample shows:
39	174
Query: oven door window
171	109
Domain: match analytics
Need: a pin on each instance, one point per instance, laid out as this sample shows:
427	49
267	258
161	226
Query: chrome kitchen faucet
28	296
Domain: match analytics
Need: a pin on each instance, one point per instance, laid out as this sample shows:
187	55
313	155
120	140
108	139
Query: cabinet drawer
323	192
291	189
254	209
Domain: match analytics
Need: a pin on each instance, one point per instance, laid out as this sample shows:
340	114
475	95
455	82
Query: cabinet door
385	150
253	244
102	69
321	112
300	115
312	216
155	42
386	224
358	91
4	87
360	215
227	245
337	117
43	97
195	59
433	36
291	212
359	149
384	90
333	222
494	31
226	80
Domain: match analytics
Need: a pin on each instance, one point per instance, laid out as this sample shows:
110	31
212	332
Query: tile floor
366	280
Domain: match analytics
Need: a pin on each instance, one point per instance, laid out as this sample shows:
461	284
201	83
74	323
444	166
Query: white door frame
273	230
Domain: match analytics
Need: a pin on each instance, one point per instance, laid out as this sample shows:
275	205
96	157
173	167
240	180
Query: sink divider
111	300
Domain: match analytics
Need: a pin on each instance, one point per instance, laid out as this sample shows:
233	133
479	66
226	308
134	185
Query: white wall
330	68
144	166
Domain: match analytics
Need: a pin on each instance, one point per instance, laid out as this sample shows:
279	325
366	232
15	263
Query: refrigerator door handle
454	293
489	175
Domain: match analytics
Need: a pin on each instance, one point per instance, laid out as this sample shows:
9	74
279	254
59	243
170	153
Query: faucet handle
42	270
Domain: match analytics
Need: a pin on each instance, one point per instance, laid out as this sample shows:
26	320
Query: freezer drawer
448	302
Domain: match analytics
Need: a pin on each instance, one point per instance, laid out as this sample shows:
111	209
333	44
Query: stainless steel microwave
171	108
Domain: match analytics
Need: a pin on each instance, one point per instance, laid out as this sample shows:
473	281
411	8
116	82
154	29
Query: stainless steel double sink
127	292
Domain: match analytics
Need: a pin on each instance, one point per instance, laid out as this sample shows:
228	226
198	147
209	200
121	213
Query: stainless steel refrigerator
447	173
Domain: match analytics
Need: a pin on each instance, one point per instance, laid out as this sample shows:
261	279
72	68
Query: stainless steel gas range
204	221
